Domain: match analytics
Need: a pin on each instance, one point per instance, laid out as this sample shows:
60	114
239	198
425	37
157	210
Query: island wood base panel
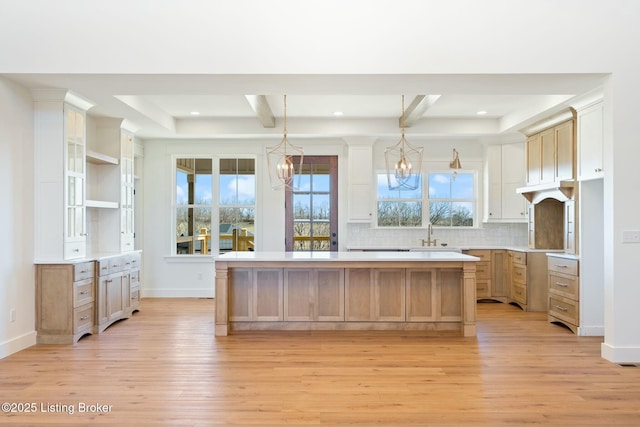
437	328
436	297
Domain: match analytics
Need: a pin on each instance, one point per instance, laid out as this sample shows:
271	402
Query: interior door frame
332	161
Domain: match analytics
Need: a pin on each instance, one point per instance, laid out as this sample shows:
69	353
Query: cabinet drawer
117	264
135	297
564	309
83	319
483	254
134	278
519	257
483	270
135	259
519	274
564	285
483	288
83	270
103	267
563	265
83	292
74	250
519	293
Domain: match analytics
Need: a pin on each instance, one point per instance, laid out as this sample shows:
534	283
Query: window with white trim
214	206
449	202
452	201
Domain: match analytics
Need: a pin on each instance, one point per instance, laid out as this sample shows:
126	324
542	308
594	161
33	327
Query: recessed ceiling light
338	113
195	113
481	113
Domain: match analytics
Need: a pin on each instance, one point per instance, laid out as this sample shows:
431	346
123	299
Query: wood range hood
561	191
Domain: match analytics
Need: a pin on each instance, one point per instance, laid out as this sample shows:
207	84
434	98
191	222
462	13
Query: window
197	205
398	208
194	198
236	210
450	201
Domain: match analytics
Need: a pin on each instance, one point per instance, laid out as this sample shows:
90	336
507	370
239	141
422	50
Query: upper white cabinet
590	141
127	192
75	224
60	175
505	173
360	190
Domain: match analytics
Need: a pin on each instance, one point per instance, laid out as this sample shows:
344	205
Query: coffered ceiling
251	106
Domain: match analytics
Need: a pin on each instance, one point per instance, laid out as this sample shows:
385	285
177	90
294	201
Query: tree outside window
398	208
451	199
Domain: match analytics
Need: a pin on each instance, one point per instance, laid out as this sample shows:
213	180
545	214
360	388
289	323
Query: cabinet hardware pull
76	250
561	265
84	271
564	285
83	292
84	317
561	308
598	169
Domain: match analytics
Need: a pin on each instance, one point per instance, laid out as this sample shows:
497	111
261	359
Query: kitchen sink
434	249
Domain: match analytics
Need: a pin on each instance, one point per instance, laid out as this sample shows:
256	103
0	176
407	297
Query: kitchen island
426	291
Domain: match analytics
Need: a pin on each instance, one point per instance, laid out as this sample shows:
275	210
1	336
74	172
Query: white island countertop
435	256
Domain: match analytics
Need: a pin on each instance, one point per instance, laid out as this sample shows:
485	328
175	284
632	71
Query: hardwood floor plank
165	367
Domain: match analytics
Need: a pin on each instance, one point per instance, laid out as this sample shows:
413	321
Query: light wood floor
165	367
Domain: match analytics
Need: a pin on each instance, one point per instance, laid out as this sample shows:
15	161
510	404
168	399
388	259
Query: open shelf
101	204
100	159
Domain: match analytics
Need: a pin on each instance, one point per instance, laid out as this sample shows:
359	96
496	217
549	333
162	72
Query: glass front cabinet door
75	189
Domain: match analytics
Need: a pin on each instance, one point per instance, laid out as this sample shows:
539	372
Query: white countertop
459	247
346	256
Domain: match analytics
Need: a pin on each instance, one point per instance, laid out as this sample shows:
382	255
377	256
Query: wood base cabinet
433	295
491	281
65	296
313	295
345	298
118	288
564	292
528	282
374	295
256	295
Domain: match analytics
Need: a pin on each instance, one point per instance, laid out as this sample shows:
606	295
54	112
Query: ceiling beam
262	109
417	108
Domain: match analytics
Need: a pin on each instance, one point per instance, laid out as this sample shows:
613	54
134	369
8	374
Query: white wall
17	277
591	255
368	37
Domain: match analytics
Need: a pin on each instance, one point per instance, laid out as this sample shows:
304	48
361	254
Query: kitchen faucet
429	242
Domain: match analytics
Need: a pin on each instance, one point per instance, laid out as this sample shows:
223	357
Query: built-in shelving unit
100	204
100	159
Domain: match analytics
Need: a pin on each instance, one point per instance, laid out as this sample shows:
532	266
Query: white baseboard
177	293
620	354
17	344
591	331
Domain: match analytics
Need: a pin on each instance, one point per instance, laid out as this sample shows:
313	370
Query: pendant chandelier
284	161
403	163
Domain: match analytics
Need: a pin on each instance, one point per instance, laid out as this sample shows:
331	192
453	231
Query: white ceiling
160	106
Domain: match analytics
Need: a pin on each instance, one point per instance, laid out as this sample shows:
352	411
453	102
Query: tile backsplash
489	234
